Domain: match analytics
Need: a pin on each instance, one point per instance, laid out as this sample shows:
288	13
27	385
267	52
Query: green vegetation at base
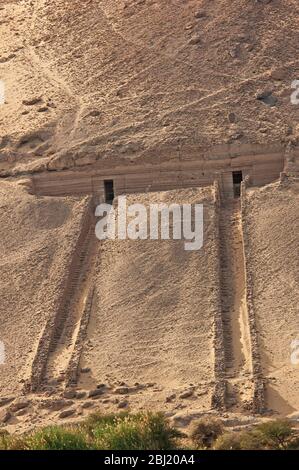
142	431
151	431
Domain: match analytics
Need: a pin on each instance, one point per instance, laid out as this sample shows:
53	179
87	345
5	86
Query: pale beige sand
273	229
37	237
153	312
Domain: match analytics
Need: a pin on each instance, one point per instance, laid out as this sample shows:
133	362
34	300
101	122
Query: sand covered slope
37	237
152	319
273	233
91	80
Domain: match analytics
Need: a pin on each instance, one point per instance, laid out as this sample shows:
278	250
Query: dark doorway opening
109	191
237	180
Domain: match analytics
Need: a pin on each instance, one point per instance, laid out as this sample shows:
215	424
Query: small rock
122	390
267	98
21	412
32	101
6	400
85	370
95	393
5	416
87	404
232	117
170	398
194	40
56	405
186	394
122	404
94	113
101	386
42	109
236	135
70	394
200	14
80	395
66	413
19	405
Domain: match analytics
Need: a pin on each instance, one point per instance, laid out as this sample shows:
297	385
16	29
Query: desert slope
272	229
118	80
37	237
153	315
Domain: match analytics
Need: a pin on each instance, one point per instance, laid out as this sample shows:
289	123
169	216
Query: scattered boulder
232	117
19	405
70	394
106	400
101	386
186	394
67	413
32	101
267	98
21	412
170	398
121	390
200	14
87	404
196	39
43	109
6	400
95	393
56	405
5	416
122	404
94	113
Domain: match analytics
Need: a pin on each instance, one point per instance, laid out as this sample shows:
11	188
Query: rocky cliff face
89	80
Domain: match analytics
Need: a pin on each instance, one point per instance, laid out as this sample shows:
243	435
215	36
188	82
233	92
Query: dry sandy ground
37	236
153	313
127	79
273	230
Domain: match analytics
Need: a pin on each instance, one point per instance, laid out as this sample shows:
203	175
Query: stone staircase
233	306
68	319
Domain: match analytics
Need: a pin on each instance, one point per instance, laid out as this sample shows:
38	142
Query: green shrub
147	431
251	440
143	431
55	438
275	434
228	441
49	438
271	435
206	431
